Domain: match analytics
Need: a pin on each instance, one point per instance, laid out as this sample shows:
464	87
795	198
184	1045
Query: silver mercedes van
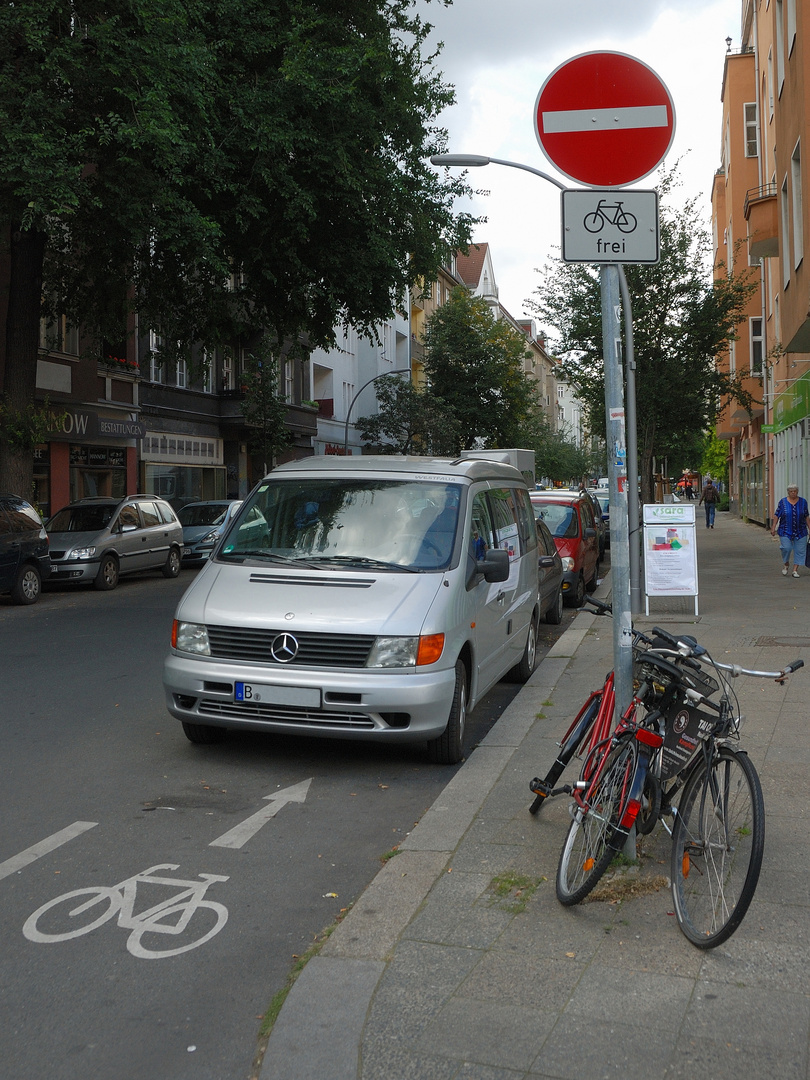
361	598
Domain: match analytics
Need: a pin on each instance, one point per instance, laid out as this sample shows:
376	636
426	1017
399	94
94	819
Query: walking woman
791	519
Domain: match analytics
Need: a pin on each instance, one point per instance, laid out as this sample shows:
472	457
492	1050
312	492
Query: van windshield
81	519
324	523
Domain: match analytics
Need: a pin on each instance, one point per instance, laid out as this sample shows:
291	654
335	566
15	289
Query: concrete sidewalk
434	976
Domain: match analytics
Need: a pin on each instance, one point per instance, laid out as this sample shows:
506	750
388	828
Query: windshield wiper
363	560
263	553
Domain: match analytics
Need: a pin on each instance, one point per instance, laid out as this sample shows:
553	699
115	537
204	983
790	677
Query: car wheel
27	586
203	734
523	671
171	567
107	576
576	598
448	749
555	612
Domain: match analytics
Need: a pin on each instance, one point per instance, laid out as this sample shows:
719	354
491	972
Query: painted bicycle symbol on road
64	917
611	214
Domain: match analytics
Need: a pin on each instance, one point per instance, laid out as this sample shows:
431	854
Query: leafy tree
264	407
556	455
409	421
682	322
214	165
474	363
714	461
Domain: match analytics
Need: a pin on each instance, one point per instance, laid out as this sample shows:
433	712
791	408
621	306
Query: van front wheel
448	749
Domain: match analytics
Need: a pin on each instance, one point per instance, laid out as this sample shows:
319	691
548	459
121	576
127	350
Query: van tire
107	576
523	671
448	749
27	585
555	612
203	734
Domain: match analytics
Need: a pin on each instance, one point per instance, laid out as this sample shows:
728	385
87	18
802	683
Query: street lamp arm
382	375
475	160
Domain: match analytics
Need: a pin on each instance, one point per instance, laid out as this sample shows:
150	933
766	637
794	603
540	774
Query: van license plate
306	697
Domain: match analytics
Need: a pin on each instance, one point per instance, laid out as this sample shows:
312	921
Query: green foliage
682	322
264	407
173	143
474	363
556	456
409	421
22	429
714	462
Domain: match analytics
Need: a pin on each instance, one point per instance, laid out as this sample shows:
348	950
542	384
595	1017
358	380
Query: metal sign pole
617	467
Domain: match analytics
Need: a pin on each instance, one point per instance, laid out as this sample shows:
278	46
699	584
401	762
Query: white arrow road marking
44	847
240	834
641	116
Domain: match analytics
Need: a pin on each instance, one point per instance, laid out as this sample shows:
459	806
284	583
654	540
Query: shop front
89	453
182	468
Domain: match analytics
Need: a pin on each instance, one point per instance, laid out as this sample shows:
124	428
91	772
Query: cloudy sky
498	53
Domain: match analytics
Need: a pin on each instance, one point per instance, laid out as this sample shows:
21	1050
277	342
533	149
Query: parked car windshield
81	519
560	519
323	523
202	514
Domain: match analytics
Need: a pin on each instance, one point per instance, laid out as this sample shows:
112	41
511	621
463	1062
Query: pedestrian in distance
709	497
791	519
690	494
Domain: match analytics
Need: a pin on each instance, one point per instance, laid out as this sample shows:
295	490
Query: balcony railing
762	214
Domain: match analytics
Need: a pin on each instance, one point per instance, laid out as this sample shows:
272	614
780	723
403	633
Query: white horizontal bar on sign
642	116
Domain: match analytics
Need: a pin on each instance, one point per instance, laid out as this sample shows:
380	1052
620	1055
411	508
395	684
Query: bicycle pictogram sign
611	214
61	919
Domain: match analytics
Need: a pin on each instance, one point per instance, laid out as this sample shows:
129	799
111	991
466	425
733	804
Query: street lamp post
620	441
382	375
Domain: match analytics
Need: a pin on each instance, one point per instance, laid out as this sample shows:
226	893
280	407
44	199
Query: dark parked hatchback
24	559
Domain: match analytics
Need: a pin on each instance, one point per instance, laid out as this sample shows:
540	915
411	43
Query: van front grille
284	714
313	649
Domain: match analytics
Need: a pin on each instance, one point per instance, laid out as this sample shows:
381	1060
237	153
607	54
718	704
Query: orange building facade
760	215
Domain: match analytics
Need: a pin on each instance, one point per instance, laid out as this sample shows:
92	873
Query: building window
780	46
209	364
796	199
750	111
791	25
784	207
227	370
288	387
155	366
182	373
755	332
732	358
770	84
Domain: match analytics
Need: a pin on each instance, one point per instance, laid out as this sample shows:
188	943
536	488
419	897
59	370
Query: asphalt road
101	786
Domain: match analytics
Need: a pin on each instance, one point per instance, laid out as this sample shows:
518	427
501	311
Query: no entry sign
604	119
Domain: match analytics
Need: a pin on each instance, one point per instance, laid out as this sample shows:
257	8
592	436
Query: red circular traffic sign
604	119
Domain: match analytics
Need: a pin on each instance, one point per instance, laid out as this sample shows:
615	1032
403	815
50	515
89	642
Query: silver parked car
203	524
98	540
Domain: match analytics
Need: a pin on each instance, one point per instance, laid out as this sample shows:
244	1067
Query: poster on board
670	551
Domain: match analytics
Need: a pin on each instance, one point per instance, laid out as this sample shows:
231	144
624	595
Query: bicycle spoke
717	848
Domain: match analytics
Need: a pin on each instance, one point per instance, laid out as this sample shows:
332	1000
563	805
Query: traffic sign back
604	119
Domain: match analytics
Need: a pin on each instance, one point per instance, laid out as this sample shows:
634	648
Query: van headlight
389	652
393	652
191	638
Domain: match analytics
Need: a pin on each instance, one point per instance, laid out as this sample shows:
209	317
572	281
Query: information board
670	551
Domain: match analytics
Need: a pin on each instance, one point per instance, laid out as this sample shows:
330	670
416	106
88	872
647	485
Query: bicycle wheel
717	846
573	739
589	846
56	920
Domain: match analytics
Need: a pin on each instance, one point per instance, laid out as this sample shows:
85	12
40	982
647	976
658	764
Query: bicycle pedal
539	787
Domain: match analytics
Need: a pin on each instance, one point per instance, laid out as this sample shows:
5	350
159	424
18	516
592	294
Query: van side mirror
494	566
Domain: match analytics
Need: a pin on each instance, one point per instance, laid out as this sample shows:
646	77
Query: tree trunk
27	249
